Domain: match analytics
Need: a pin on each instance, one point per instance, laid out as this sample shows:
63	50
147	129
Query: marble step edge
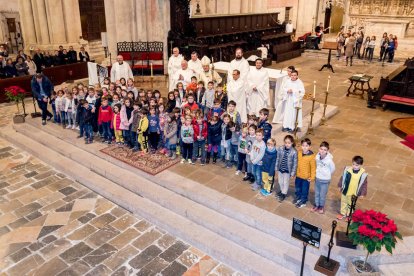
216	246
265	245
245	213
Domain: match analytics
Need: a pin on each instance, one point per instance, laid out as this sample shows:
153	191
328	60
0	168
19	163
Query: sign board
306	232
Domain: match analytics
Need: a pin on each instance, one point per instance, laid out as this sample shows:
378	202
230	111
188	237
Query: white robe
119	71
281	97
206	77
187	74
293	100
174	64
242	65
258	99
196	67
236	91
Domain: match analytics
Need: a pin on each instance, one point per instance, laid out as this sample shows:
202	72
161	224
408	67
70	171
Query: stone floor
51	225
355	130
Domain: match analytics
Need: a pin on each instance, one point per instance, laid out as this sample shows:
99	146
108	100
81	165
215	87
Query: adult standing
282	97
238	63
32	65
295	91
174	64
207	73
258	85
83	55
289	27
183	75
120	69
349	48
42	89
194	64
236	91
39	60
72	55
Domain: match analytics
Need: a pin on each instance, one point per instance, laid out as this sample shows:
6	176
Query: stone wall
376	17
8	9
49	23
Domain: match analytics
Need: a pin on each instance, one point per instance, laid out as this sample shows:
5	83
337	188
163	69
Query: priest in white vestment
258	88
207	74
280	98
120	69
183	75
295	91
174	64
239	63
236	91
194	64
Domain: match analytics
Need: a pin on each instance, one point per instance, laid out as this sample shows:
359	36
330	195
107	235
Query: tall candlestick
314	89
152	72
329	79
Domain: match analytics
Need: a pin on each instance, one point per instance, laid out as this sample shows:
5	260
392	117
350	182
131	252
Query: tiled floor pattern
51	225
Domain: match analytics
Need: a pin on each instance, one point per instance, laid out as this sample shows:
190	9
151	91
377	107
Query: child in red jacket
200	138
104	120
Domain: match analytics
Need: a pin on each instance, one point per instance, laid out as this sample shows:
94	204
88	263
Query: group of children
201	124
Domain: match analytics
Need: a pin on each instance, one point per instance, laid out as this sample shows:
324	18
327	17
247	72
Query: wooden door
93	21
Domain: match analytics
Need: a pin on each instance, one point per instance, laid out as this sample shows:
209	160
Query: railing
56	74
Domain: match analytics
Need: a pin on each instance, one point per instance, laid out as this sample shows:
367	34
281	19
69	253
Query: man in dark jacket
39	60
42	89
72	55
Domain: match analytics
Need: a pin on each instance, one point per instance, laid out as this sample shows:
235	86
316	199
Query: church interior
206	137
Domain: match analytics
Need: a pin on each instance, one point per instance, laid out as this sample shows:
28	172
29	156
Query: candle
314	89
152	72
327	87
212	59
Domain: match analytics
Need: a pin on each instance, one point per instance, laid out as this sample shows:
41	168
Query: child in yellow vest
305	173
353	182
143	130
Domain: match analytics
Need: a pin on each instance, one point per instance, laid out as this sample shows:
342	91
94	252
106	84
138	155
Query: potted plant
373	230
16	94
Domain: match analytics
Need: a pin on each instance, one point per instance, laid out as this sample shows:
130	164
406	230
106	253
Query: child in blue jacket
268	167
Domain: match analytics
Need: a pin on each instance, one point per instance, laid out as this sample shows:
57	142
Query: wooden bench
286	51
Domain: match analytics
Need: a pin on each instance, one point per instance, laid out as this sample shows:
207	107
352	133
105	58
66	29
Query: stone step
249	237
262	220
212	243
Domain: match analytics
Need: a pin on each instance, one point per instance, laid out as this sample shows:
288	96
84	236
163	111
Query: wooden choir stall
219	36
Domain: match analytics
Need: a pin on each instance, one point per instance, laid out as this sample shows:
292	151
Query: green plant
373	230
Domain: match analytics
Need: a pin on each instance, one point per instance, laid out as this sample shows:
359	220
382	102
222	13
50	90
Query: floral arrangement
373	230
15	93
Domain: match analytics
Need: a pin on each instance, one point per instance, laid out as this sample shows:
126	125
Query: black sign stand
305	244
308	234
342	238
326	265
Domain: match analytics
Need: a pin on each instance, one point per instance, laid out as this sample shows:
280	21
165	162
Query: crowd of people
204	125
27	65
363	47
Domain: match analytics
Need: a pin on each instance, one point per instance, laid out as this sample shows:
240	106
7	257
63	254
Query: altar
275	79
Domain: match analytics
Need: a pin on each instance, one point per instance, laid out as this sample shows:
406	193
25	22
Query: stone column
111	27
41	24
27	21
72	20
123	19
56	21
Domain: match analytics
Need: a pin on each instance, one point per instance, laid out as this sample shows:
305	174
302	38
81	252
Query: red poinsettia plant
373	230
15	93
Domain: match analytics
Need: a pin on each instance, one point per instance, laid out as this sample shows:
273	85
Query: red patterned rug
149	163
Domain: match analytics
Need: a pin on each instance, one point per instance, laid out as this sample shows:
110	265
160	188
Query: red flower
386	229
357	216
